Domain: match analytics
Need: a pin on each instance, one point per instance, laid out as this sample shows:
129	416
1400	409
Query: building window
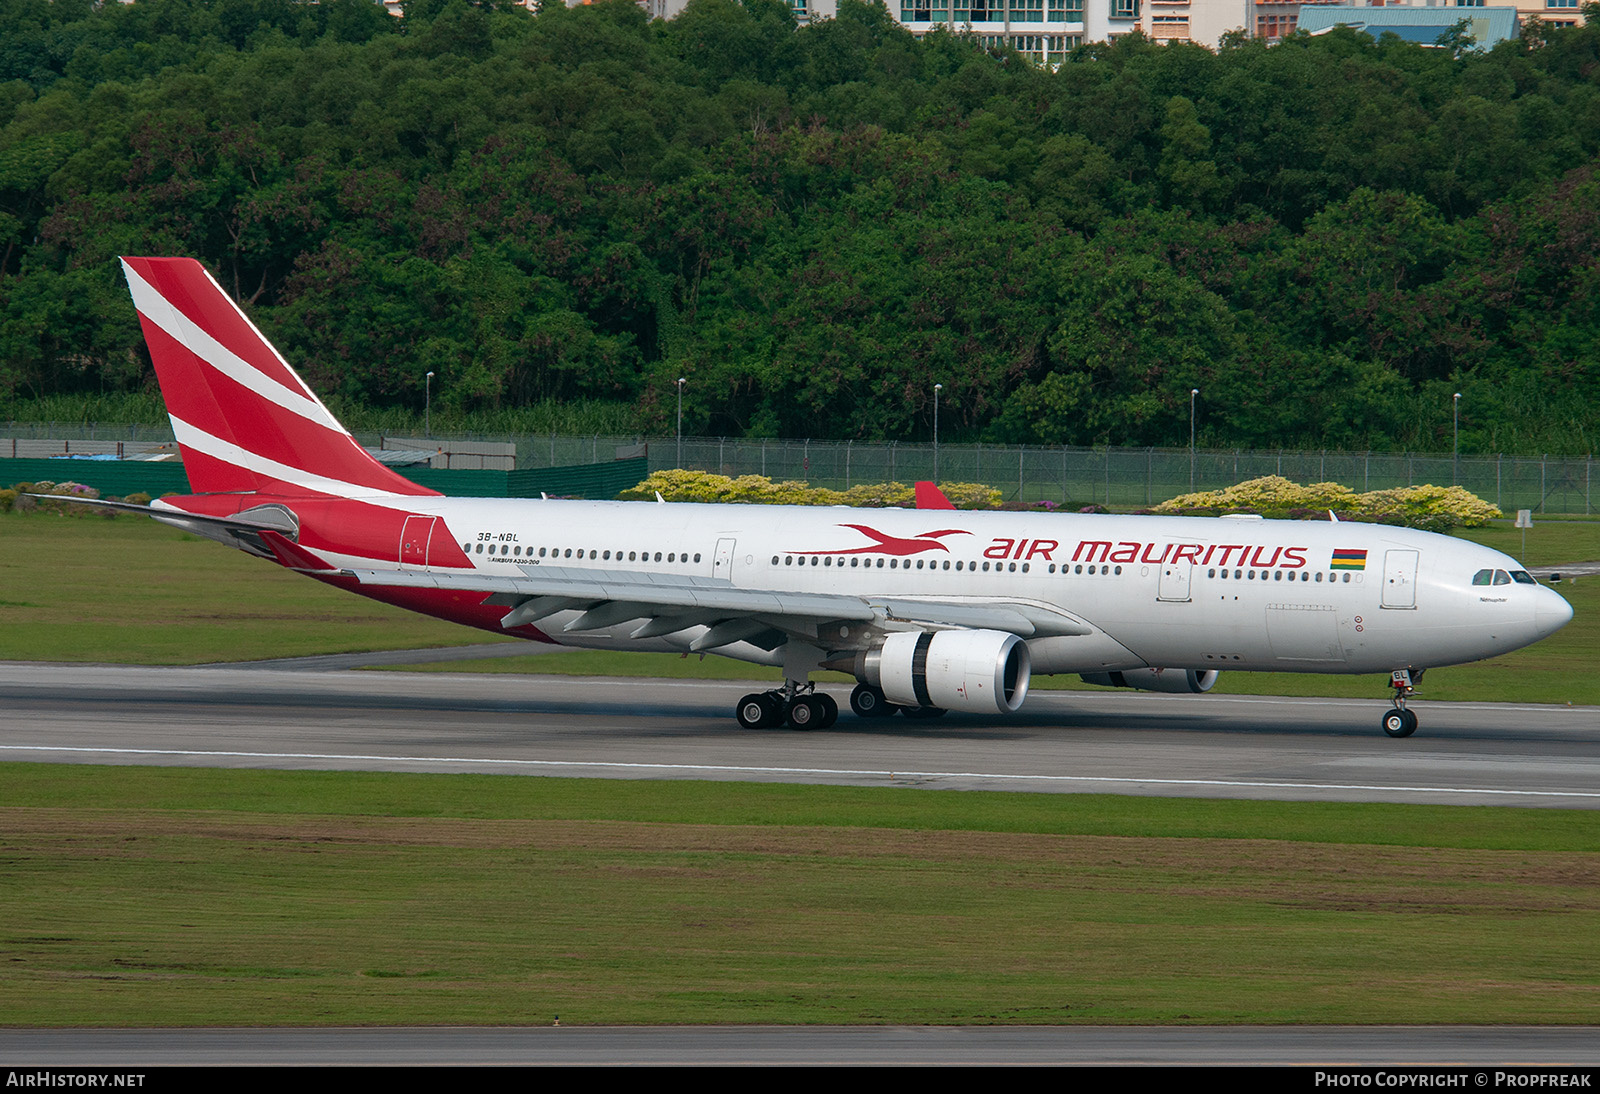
1170	26
1275	26
980	11
1027	11
1124	9
1560	3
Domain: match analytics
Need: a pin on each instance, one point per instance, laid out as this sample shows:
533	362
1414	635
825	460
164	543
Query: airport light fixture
427	406
936	389
680	421
1192	393
1455	426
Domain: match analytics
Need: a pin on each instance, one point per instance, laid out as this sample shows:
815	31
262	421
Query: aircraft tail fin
244	420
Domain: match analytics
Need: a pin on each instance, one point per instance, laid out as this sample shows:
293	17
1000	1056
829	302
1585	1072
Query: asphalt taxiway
1063	742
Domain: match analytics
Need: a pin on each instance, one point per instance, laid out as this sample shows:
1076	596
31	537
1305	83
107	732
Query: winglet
930	496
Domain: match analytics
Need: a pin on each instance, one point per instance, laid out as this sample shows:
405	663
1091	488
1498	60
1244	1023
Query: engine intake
982	672
1193	681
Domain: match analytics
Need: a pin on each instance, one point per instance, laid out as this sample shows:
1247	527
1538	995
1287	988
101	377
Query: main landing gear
800	705
1401	722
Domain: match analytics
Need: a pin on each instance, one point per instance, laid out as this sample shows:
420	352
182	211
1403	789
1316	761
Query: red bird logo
883	543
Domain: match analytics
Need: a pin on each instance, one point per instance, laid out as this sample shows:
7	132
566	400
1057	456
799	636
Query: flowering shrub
16	499
1433	508
701	486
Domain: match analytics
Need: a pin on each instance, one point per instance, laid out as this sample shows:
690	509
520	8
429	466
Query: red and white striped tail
244	420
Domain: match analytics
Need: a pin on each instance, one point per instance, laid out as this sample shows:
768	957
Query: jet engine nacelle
983	672
1192	681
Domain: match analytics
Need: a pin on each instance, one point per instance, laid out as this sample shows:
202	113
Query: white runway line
813	771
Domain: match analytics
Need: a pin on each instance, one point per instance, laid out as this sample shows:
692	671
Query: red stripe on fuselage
338	525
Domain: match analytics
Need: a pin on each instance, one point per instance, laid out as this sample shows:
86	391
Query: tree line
1328	237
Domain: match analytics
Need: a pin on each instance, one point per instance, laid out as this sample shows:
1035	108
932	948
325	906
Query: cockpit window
1502	578
1523	577
1482	577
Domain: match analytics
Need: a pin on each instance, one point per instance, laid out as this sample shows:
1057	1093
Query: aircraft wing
670	603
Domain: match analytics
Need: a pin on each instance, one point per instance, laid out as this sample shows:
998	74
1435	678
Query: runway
1468	1052
1064	742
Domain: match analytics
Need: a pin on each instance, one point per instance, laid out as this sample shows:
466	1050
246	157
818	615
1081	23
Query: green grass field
171	897
132	591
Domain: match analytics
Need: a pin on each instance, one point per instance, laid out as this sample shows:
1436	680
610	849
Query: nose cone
1551	612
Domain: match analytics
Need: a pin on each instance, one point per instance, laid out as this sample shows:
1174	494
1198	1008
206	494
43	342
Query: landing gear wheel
752	711
830	711
806	713
868	702
1399	723
777	708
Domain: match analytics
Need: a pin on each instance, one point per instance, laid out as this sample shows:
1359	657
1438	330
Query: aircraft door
1175	581
1400	579
722	564
414	537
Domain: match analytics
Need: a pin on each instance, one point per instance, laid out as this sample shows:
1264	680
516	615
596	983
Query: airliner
931	609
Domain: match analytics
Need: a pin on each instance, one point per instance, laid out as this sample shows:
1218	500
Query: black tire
805	713
868	702
1399	723
830	711
752	711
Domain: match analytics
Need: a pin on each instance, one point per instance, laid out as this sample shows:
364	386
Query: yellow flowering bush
1434	508
701	486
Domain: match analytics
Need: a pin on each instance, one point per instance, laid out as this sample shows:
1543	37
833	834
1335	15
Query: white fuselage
1171	592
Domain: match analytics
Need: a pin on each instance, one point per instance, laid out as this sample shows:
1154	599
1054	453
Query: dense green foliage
1328	237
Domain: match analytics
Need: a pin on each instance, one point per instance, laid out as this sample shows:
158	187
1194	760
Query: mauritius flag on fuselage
1349	558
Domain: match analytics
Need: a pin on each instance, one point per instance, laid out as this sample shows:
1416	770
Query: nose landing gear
1401	722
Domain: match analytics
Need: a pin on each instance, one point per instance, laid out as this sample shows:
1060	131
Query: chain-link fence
1116	477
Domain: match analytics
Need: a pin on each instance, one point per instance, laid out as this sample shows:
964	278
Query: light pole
936	389
1455	427
427	406
680	422
1192	393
